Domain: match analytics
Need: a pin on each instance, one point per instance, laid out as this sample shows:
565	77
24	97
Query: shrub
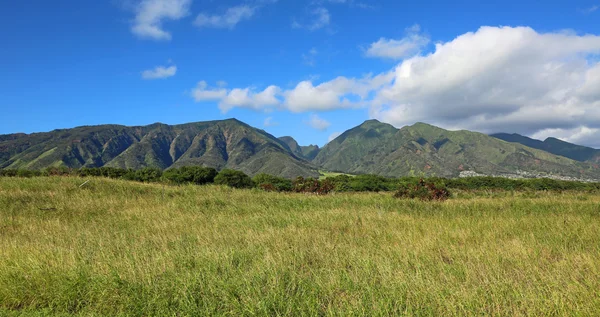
311	185
58	171
191	174
28	173
372	183
233	178
423	191
272	183
341	183
148	174
8	173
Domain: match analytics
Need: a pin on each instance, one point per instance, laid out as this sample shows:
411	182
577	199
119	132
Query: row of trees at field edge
342	183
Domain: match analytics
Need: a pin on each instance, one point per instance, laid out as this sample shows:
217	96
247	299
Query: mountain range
372	147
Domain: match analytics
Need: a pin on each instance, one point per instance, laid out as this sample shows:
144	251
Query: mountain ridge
371	147
424	149
221	144
555	146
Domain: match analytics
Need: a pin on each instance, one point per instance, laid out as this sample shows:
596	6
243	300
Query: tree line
342	183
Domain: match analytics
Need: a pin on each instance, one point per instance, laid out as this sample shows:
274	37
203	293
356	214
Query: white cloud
340	92
150	15
309	58
408	46
578	135
229	19
497	79
159	72
269	122
237	97
318	123
333	136
321	19
203	93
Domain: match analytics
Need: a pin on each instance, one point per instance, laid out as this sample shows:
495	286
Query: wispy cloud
333	136
150	15
320	19
228	20
318	123
159	72
591	9
408	46
270	123
309	58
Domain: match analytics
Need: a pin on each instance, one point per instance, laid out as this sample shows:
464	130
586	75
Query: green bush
311	185
424	191
341	183
147	175
372	183
191	174
272	183
233	178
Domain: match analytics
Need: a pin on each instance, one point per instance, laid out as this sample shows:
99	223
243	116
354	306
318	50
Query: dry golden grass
117	248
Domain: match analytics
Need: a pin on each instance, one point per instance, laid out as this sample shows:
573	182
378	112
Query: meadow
122	248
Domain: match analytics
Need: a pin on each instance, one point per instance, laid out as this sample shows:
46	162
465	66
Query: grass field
117	248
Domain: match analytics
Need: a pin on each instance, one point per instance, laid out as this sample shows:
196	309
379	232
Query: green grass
326	174
117	248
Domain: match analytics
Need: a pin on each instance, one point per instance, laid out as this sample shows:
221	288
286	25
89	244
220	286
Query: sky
310	69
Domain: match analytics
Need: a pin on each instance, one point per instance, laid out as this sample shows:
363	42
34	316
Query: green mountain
555	146
307	152
372	147
219	144
422	149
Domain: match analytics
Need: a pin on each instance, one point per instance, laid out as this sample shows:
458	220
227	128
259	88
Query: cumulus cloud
159	72
496	79
203	93
321	19
237	97
150	15
229	19
408	46
318	123
340	92
578	135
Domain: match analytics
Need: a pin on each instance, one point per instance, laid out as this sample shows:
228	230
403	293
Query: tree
270	183
233	178
191	174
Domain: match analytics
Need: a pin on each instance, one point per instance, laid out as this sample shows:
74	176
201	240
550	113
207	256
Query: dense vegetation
122	248
422	149
222	144
370	148
339	183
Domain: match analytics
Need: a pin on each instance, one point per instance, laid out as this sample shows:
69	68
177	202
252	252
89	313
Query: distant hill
379	148
372	147
218	144
555	146
307	152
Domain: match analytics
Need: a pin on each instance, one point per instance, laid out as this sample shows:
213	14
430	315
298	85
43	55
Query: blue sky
309	69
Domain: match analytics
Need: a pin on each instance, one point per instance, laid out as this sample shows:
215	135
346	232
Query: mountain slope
379	148
219	144
555	146
307	152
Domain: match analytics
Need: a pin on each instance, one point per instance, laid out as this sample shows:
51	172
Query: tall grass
118	248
